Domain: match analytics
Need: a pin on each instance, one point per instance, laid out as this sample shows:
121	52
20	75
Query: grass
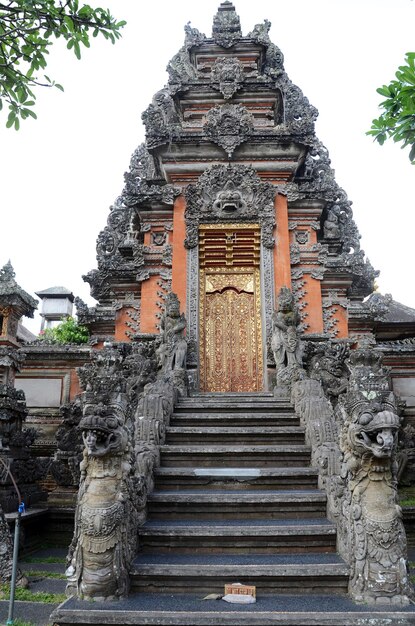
25	595
44	559
20	622
407	502
44	574
406	496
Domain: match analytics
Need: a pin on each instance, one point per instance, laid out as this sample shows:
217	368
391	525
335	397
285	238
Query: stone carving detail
105	520
139	182
173	345
338	227
112	492
133	323
168	255
267	264
130	390
274	59
228	74
229	125
355	448
302	237
158	238
13	413
369	444
322	434
192	305
332	224
6	548
406	456
285	340
330	307
299	292
161	120
65	465
326	363
229	193
226	30
299	114
379	305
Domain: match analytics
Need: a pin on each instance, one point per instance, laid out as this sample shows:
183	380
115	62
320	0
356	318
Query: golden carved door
230	317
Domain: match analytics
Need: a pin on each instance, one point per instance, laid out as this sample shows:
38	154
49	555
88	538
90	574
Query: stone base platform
191	610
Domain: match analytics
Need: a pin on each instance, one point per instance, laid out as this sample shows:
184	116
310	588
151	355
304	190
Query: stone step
221	434
271	574
231	405
235	456
240	419
201	504
187	609
236	536
179	478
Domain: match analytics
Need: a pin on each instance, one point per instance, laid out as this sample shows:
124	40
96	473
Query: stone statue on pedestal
285	341
173	347
105	530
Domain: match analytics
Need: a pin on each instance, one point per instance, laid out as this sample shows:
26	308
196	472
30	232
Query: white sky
60	174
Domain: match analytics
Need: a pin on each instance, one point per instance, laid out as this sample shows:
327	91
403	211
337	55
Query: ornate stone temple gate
231	265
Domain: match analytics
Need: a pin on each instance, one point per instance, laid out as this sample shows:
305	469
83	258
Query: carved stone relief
229	125
226	194
192	305
228	74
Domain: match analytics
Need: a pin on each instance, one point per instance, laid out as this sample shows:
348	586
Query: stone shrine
244	411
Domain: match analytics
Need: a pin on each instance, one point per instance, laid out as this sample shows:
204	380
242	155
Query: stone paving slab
191	610
55	568
36	612
239	559
50	585
276	523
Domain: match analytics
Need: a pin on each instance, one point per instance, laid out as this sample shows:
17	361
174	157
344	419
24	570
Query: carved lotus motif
228	126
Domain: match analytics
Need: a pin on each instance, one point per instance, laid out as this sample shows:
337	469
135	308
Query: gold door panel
230	320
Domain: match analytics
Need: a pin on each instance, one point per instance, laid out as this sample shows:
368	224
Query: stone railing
130	393
354	445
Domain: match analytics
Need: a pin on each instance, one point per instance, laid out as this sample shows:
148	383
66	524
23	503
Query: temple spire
226	28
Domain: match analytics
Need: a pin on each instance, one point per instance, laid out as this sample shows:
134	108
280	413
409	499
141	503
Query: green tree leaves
398	118
27	30
68	331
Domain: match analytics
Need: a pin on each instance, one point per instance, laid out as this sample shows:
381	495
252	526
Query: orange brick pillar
179	269
314	307
149	308
282	268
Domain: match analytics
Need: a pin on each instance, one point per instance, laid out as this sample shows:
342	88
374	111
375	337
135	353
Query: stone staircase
235	500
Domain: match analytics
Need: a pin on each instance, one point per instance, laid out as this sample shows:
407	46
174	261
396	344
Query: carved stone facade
232	193
231	199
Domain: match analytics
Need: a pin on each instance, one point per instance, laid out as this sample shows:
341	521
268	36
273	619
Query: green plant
27	31
68	331
25	595
398	118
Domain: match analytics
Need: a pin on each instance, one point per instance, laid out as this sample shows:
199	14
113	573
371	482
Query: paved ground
37	613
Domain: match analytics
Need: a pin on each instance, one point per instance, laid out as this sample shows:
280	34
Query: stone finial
226	29
14	303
